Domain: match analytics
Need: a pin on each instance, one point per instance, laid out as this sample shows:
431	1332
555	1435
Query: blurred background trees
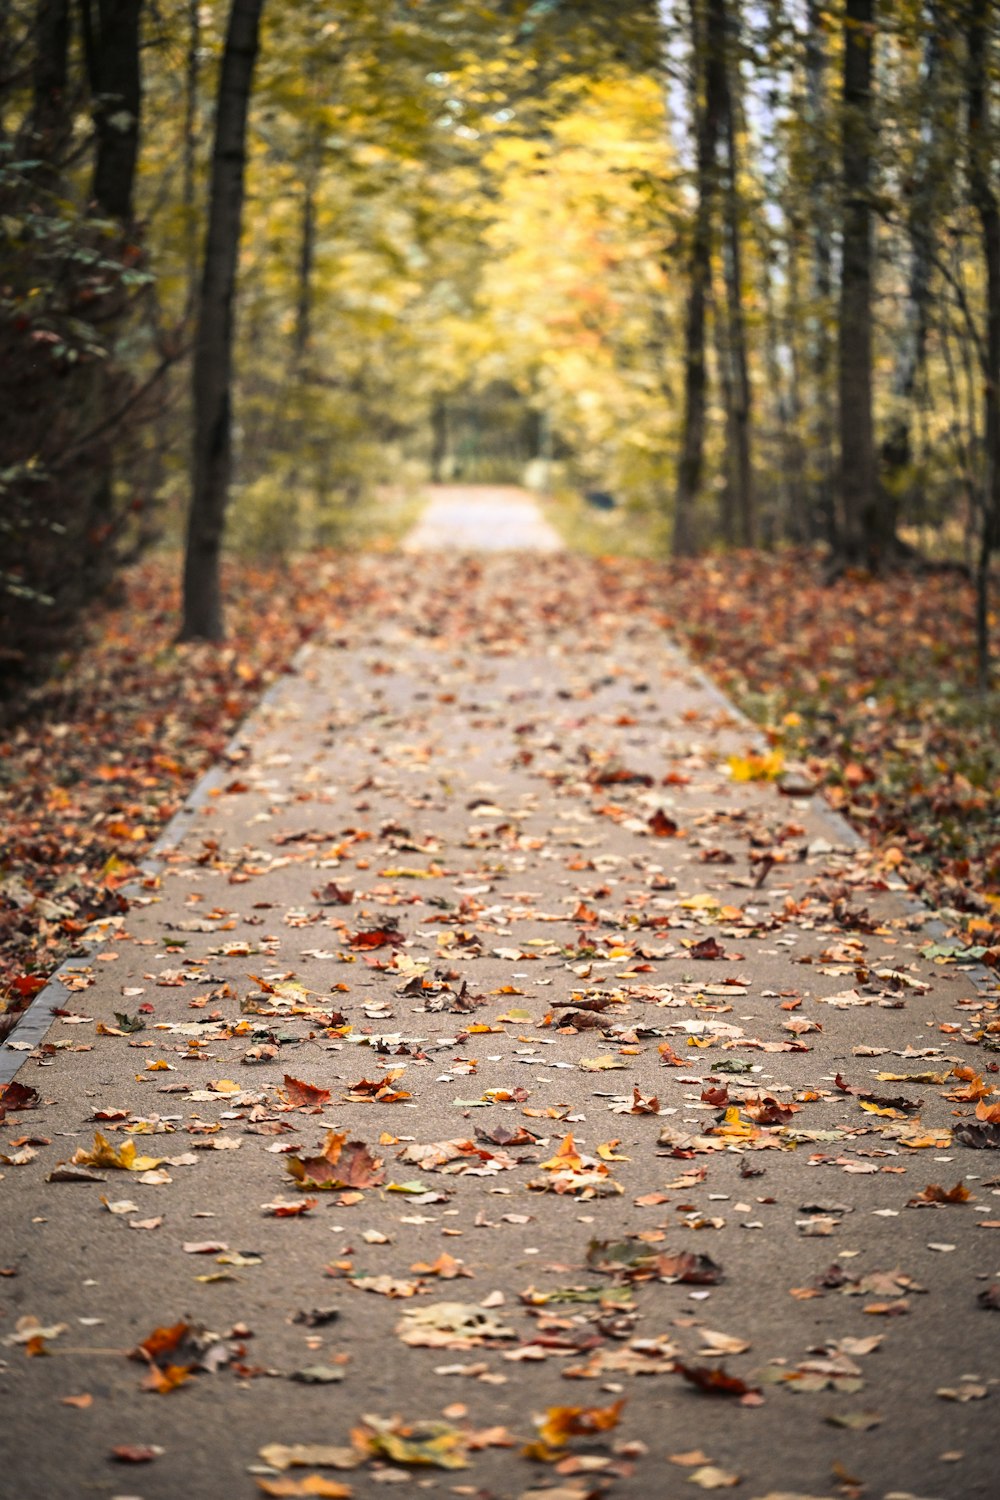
736	266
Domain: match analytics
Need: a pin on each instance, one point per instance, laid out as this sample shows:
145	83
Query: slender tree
921	221
860	539
981	152
819	358
739	407
708	32
212	375
111	47
50	121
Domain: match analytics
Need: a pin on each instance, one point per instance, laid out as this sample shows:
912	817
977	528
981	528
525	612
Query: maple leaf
976	1087
376	937
669	1057
756	767
567	1158
16	1096
708	948
340	1164
122	1158
564	1422
714	1381
378	1090
435	1444
299	1095
933	1193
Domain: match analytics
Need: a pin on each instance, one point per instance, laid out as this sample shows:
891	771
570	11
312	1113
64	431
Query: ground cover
506	1019
868	683
871	682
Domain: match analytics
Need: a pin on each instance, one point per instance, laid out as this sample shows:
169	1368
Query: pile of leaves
871	682
104	752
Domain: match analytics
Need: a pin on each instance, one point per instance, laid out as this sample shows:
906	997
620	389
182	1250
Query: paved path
481	518
634	1051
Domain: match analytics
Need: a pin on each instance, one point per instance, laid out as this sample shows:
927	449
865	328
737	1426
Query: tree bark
439	438
111	47
861	539
50	121
192	80
911	346
212	375
740	408
708	49
822	518
984	200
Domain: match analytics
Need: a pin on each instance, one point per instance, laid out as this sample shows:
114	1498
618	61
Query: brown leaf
299	1095
708	948
161	1341
14	1096
377	937
341	1164
563	1422
933	1193
713	1380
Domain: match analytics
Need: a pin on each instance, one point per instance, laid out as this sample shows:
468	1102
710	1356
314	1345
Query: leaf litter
640	960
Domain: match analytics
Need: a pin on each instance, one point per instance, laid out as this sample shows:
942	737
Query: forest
499	755
730	271
736	266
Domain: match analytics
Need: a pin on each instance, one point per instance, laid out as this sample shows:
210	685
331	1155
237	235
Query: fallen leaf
564	1422
434	1444
309	1455
341	1164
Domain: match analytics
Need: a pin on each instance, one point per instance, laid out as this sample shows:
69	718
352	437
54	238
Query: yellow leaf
122	1158
754	767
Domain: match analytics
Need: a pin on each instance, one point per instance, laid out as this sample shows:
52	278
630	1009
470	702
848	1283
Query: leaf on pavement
340	1164
424	1444
299	1095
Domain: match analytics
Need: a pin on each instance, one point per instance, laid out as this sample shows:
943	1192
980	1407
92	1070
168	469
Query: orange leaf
299	1095
563	1422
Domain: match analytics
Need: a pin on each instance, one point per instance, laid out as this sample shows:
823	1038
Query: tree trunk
708	56
192	78
861	538
722	326
984	200
212	376
439	438
302	328
822	519
111	47
911	346
50	124
740	463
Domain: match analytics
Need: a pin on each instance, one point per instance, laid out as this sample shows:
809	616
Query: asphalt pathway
521	1090
481	518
